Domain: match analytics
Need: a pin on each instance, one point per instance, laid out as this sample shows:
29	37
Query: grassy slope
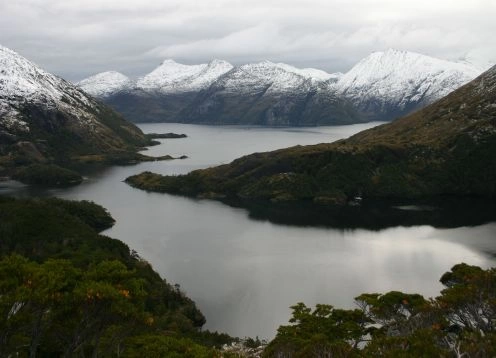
445	148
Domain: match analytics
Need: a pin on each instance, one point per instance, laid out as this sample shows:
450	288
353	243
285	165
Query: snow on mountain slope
213	70
38	107
105	84
265	77
22	81
173	77
401	80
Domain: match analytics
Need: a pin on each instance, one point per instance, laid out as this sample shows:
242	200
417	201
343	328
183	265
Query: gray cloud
80	37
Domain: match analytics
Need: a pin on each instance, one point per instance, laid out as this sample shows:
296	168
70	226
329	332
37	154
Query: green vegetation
47	175
458	323
67	290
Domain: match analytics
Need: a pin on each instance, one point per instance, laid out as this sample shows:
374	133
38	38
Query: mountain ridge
382	86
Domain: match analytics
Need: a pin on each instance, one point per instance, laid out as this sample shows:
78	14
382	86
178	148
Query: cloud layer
80	37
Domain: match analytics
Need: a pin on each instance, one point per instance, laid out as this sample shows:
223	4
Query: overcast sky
77	38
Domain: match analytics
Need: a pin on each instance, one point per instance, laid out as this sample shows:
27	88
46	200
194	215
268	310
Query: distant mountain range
445	149
45	119
382	86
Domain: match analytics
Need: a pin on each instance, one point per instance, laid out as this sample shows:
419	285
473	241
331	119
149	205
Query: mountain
266	93
160	95
45	119
173	77
386	85
106	84
383	86
447	148
217	93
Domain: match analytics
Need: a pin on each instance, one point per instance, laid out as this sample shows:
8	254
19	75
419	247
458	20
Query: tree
323	332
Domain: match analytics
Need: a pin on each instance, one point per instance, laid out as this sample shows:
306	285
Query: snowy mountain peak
217	68
263	76
22	80
105	84
33	98
402	80
399	63
171	76
216	62
168	61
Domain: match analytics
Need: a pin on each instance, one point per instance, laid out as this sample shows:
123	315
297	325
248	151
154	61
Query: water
245	273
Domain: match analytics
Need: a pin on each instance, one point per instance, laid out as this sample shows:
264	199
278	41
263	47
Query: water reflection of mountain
444	212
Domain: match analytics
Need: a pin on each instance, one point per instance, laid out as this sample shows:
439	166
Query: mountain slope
44	118
446	148
389	84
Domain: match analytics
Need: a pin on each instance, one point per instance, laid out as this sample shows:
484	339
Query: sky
78	38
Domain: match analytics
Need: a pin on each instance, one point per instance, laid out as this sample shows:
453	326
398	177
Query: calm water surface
243	273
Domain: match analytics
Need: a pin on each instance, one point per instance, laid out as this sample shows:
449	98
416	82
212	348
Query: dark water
245	268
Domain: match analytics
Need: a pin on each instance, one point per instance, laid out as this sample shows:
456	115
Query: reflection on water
245	273
374	214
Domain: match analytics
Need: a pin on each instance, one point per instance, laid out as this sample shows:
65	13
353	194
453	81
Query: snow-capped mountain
52	117
382	86
173	77
106	84
198	93
263	76
392	83
267	93
21	81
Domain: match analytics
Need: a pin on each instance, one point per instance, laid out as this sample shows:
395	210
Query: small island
165	135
